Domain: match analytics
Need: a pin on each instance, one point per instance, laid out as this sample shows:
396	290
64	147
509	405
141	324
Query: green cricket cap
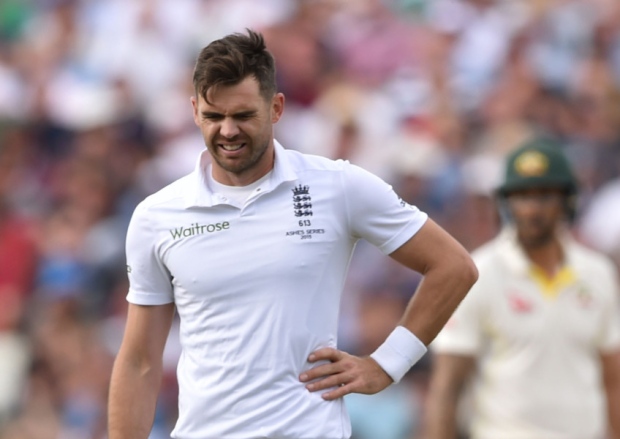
538	164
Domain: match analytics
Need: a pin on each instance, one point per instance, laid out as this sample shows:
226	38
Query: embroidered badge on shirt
302	204
302	207
519	304
584	297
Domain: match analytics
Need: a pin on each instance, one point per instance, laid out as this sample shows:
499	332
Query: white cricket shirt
538	344
257	288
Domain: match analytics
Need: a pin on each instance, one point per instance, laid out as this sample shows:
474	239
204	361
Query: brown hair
231	59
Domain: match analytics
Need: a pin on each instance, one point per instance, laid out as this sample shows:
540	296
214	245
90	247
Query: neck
244	179
248	176
548	256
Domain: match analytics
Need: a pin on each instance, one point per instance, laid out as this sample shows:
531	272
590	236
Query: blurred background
428	94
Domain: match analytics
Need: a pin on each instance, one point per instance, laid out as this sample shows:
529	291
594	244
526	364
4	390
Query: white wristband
399	352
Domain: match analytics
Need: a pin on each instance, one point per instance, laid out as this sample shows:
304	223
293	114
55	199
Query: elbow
460	268
139	363
469	272
473	272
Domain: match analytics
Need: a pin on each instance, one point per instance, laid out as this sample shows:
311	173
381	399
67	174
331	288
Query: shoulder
493	260
349	174
309	162
349	178
591	262
152	214
169	196
157	207
487	254
595	271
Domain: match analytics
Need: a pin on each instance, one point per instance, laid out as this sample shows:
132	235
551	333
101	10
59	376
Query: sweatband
399	352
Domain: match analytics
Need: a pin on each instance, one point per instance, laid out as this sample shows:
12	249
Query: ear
503	209
194	102
277	107
570	207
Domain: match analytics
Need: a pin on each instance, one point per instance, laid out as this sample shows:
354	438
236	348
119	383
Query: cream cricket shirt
538	343
257	288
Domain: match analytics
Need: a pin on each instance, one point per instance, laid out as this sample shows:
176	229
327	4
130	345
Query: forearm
611	381
448	271
613	410
438	295
132	400
441	415
448	380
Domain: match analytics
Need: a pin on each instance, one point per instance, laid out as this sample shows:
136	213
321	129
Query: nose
530	209
229	128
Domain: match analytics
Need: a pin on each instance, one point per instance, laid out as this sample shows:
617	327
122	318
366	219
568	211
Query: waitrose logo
198	229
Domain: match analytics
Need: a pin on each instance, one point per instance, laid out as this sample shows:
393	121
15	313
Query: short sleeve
463	333
149	280
376	213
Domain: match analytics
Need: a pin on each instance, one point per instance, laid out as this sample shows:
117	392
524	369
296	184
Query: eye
212	116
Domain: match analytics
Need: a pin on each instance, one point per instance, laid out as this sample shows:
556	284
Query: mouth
231	147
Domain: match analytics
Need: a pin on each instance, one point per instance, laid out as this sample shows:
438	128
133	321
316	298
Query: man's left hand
346	372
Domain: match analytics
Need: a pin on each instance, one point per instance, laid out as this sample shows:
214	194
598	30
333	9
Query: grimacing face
237	127
536	214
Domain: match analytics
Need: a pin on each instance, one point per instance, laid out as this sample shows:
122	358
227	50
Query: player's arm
448	379
137	371
449	273
611	381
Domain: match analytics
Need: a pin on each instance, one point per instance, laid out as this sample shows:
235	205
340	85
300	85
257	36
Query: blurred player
540	331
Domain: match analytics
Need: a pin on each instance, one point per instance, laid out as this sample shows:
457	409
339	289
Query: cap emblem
531	164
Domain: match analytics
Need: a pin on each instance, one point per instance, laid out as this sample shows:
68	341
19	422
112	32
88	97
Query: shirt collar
516	258
200	195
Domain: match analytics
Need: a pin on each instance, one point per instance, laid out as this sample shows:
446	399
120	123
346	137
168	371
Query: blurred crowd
428	94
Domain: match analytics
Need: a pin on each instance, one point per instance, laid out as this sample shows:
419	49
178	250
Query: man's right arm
448	379
137	371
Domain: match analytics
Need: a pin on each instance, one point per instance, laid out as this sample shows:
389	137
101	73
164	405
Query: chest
520	313
284	238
